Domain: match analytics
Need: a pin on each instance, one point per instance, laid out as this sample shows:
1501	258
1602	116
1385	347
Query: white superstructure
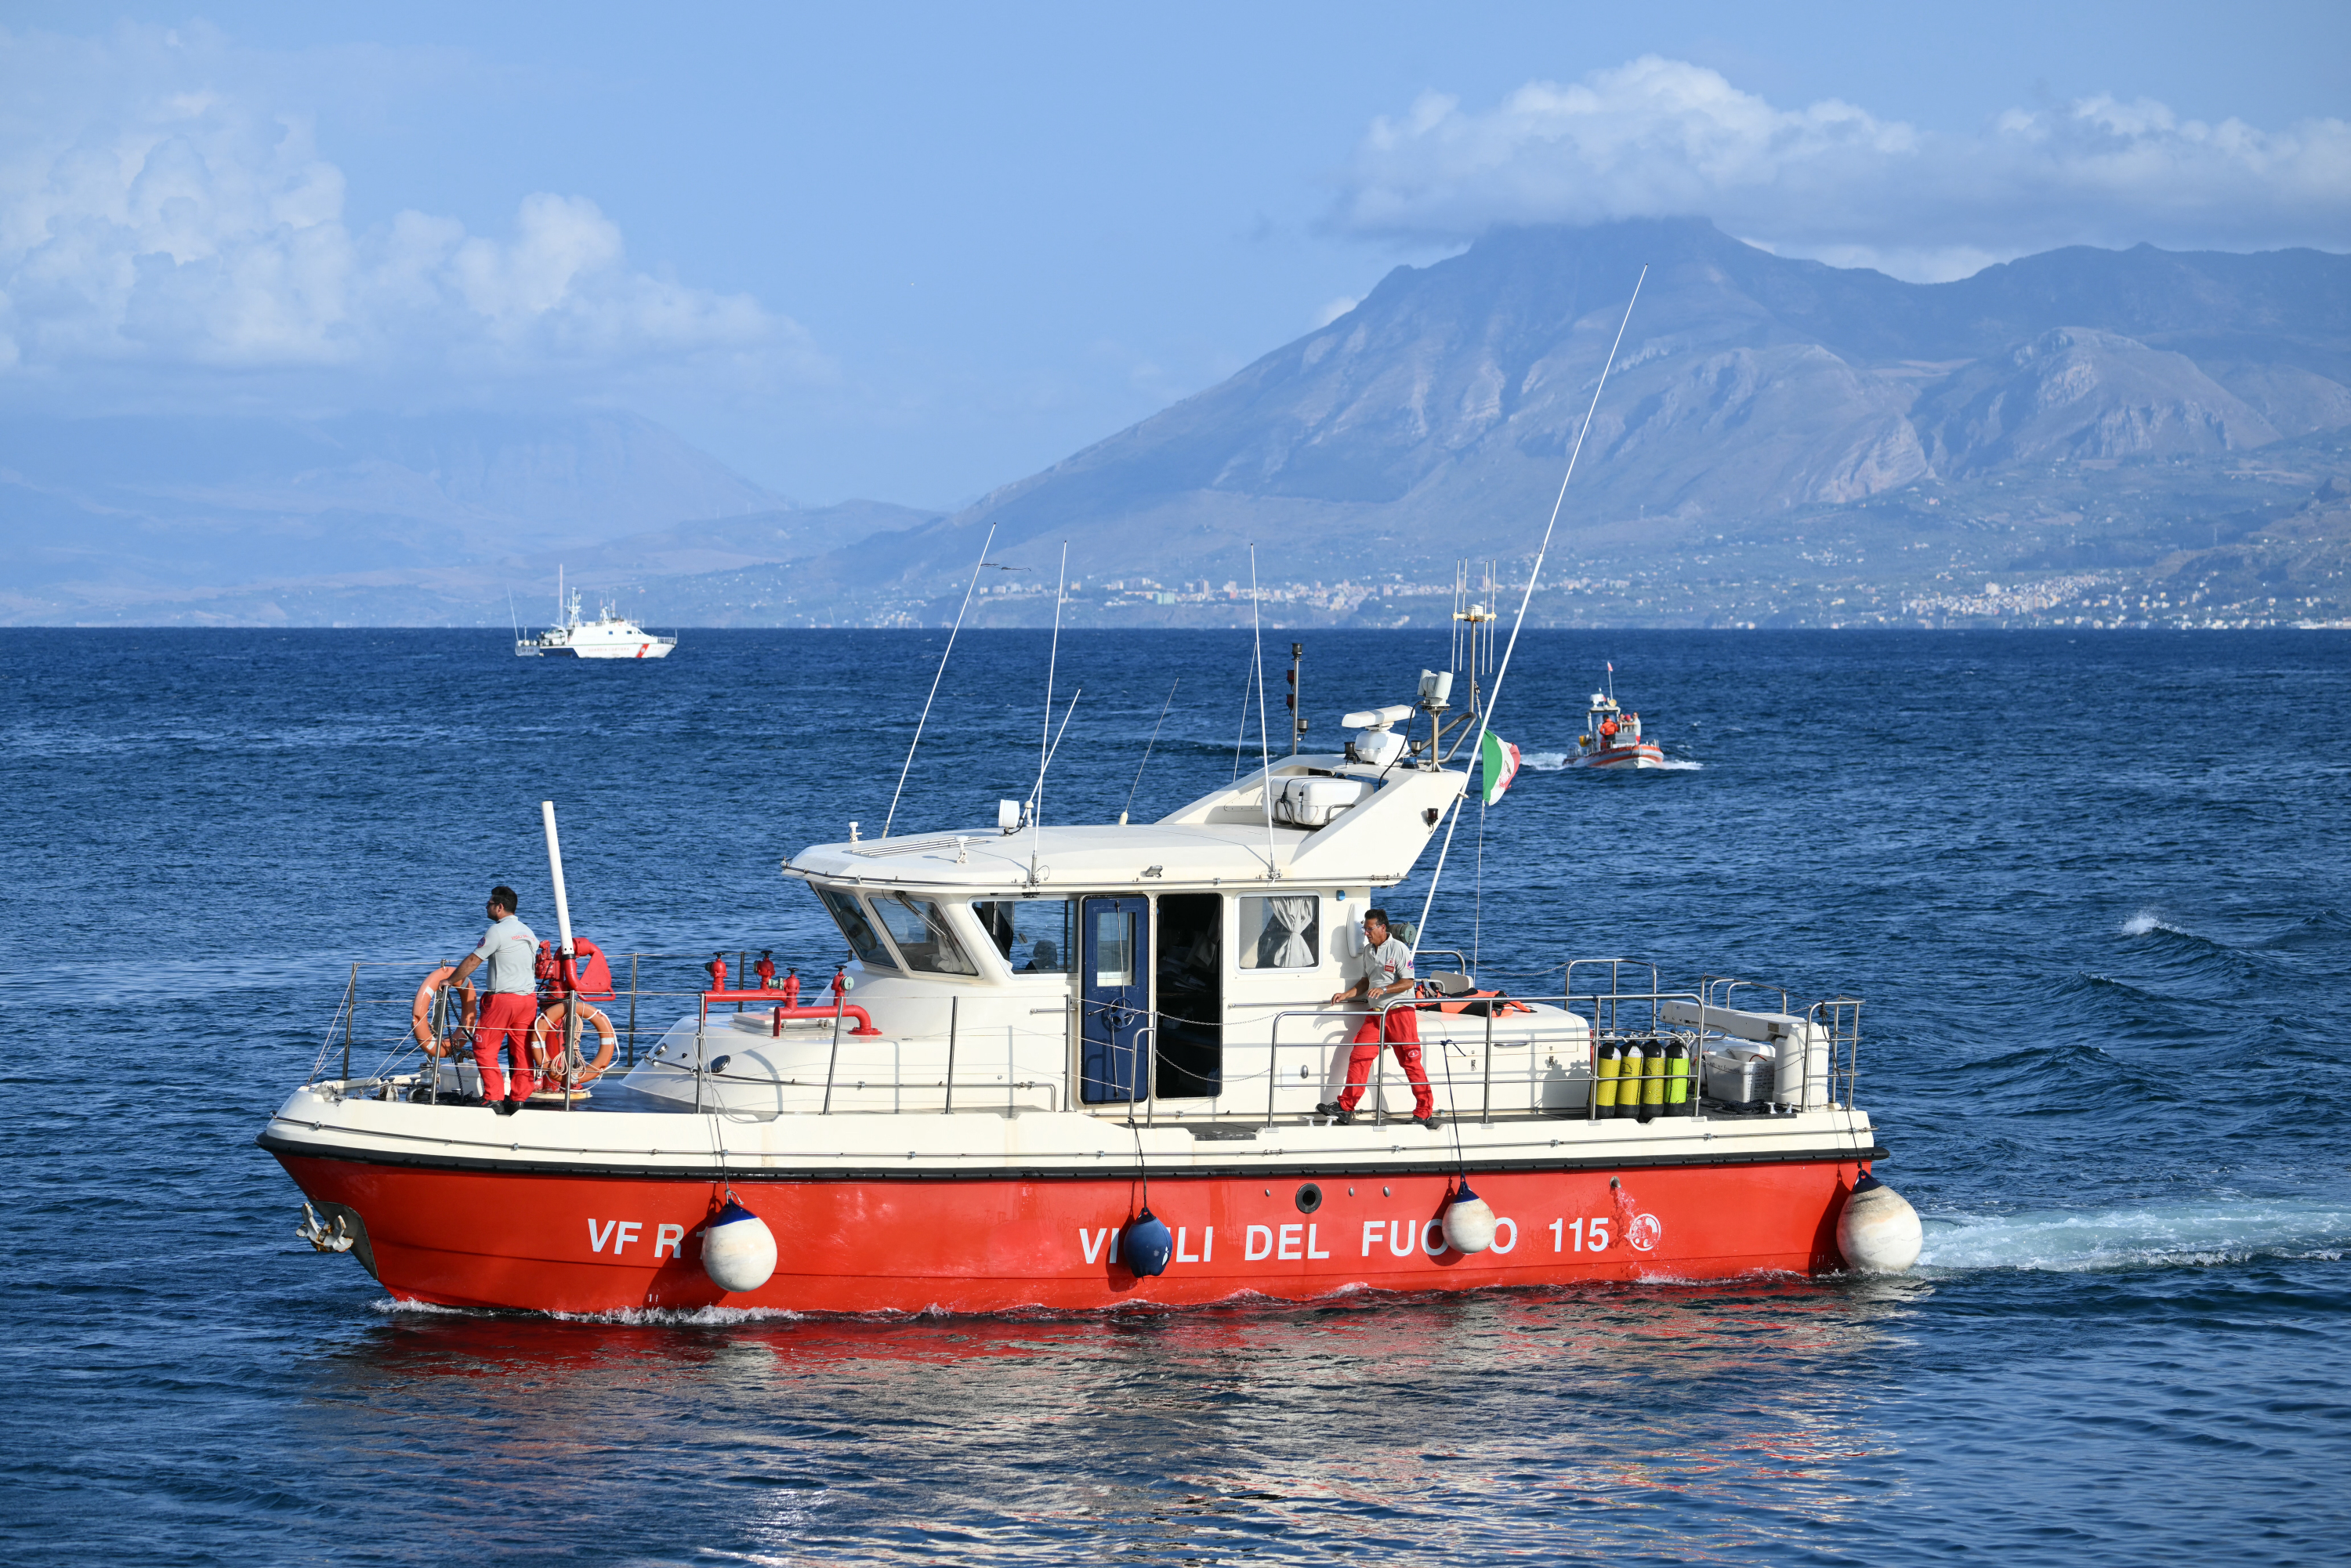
611	635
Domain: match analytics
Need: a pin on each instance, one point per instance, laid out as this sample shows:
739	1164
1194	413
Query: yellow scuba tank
1679	1099
1607	1064
1628	1082
1652	1079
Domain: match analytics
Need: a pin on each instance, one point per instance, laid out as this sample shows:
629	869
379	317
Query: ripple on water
2100	1039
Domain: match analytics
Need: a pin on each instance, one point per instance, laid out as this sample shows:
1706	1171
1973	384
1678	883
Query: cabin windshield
863	940
919	928
1032	934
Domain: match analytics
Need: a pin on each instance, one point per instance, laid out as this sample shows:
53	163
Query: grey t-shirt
509	955
1385	965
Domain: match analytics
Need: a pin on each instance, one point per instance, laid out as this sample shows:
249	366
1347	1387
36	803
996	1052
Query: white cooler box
1315	802
1741	1075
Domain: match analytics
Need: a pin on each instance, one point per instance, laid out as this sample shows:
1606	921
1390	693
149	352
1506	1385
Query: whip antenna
1147	750
1057	736
1240	731
1045	735
1502	672
1264	751
935	680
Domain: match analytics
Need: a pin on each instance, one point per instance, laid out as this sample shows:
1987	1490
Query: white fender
1878	1231
1469	1222
738	1250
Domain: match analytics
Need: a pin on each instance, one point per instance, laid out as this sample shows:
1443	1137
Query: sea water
2094	890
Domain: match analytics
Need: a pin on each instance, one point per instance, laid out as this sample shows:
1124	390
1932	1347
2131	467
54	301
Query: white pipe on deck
555	872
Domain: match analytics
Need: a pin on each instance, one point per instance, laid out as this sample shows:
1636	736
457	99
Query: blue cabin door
1115	1000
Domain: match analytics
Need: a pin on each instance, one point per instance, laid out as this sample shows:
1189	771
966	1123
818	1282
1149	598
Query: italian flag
1497	764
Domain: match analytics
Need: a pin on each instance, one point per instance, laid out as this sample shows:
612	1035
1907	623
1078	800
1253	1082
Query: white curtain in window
1291	917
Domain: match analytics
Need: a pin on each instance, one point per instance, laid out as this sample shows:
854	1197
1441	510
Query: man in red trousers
510	1006
1386	972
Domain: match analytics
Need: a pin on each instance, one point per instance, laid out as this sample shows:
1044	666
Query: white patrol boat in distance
611	635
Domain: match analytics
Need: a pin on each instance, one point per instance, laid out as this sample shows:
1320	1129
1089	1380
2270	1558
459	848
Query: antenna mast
935	680
1478	749
1147	750
1473	640
1264	751
1045	735
1297	714
1057	736
1240	731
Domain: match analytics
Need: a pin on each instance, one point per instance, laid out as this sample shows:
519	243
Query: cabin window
1032	934
863	940
1191	973
1282	932
1114	948
923	939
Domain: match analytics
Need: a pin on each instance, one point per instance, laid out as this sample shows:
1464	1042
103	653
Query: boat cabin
1607	727
1184	965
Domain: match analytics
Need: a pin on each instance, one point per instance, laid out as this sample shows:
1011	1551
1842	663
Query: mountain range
1756	402
377	518
1779	440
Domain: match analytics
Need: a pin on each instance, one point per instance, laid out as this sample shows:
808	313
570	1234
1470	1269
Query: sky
913	253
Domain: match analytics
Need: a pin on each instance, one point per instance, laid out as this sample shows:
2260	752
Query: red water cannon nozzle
581	970
556	972
716	969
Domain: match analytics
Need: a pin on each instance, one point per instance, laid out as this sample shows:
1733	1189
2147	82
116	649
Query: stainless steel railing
1622	1004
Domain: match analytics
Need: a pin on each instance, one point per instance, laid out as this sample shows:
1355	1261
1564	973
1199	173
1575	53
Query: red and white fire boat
1082	1069
1612	737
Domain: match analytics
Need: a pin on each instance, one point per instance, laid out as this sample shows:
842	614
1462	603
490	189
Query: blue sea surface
2096	890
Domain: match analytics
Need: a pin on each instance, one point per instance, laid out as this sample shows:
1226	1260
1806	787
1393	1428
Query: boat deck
1527	1082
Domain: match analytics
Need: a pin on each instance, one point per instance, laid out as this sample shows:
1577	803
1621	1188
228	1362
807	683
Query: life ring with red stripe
420	1015
548	1035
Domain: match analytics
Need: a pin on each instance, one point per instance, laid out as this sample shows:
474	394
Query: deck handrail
1600	1013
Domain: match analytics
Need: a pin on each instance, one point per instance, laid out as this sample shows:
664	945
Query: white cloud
153	220
1334	310
1657	138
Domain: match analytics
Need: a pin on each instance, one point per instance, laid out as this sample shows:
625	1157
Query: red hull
587	1244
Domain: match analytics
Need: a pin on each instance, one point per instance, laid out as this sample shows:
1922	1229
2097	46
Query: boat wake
685	1317
1559	761
663	1317
2180	1236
